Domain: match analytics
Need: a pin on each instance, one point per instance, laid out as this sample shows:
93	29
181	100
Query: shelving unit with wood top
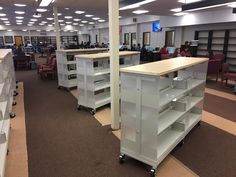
66	65
93	71
7	88
160	103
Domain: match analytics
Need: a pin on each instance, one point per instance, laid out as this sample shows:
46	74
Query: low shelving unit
93	71
160	103
7	89
66	65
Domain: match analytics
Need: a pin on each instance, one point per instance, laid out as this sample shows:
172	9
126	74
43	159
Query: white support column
114	62
57	28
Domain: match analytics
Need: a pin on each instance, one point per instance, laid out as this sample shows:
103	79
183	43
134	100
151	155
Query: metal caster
59	87
93	111
199	124
181	143
122	158
12	115
16	93
8	151
79	107
17	82
17	87
14	103
68	89
152	172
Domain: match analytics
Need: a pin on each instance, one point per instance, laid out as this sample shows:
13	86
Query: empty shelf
101	72
3	108
100	86
102	99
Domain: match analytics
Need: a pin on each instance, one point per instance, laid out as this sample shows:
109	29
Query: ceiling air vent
135	20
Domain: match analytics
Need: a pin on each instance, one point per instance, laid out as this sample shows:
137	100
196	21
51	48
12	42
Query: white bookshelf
66	65
160	103
93	71
7	89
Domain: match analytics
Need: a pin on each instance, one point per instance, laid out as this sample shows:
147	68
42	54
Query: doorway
133	39
18	40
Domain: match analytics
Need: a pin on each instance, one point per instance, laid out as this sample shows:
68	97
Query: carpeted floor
63	142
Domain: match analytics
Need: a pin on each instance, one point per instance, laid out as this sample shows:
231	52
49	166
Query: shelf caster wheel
79	107
17	87
17	82
93	112
199	124
59	87
14	103
181	143
152	172
8	151
15	93
12	115
68	89
121	158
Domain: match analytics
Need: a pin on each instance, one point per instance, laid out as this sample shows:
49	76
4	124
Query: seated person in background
133	48
163	50
186	52
19	51
177	53
138	48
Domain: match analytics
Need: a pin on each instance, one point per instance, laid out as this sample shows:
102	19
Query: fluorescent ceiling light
77	20
75	23
41	24
8	24
140	11
68	22
233	5
101	20
37	16
20	5
67	8
62	24
50	25
96	18
18	17
9	30
24	30
79	12
1	8
68	17
188	1
50	18
29	25
176	10
58	14
48	30
206	7
19	21
19	12
2	15
4	19
38	30
89	15
45	3
41	10
136	5
120	16
60	21
44	22
91	23
84	21
33	20
181	14
81	25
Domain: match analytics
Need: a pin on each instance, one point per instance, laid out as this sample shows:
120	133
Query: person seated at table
164	50
19	51
186	52
133	48
177	53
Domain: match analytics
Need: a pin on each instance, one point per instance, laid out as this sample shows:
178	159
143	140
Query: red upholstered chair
226	75
215	65
165	56
46	65
49	70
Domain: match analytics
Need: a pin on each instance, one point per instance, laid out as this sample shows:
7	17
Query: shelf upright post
113	6
57	28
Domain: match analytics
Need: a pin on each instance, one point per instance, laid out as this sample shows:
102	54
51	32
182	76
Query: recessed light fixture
29	24
188	1
75	23
41	24
91	23
37	16
9	30
81	25
76	19
96	18
233	5
181	13
60	21
1	8
38	30
68	22
41	10
19	17
58	14
2	15
120	16
20	5
50	25
67	8
4	19
140	12
68	17
84	21
136	5
48	30
33	20
79	12
19	21
8	24
50	18
89	15
24	30
101	21
176	10
62	24
19	12
45	3
44	22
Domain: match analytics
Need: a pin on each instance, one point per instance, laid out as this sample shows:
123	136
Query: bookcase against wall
220	42
66	65
160	103
93	72
7	88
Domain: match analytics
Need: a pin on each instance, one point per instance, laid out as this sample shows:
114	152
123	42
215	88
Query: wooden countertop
3	53
105	55
164	67
83	50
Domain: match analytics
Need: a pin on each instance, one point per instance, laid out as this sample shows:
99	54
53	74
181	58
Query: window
126	38
170	38
146	38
